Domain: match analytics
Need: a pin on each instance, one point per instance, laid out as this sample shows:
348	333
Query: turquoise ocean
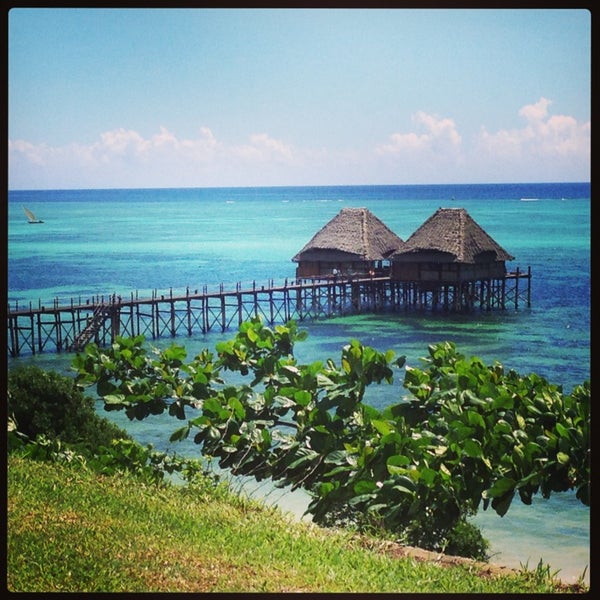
123	241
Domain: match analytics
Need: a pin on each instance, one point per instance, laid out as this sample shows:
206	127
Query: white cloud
147	161
536	112
432	154
271	147
439	136
120	142
35	153
263	148
547	147
543	137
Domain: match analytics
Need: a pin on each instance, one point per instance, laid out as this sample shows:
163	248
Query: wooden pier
69	326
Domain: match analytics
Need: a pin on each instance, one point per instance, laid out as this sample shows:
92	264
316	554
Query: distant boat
31	216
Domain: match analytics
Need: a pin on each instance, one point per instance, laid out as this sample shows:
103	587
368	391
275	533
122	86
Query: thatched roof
453	231
353	234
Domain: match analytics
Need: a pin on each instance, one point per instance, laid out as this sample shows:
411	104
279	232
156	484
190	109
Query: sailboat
31	216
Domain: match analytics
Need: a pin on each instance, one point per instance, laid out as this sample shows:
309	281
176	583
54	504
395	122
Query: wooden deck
68	326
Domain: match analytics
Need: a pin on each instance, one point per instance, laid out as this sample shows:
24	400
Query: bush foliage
467	436
46	403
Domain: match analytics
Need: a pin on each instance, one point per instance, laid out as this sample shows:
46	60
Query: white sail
31	216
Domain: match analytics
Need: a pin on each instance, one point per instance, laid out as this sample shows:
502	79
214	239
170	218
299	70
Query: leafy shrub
466	540
46	403
469	434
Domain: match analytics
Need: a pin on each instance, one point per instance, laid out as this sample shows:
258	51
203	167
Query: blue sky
104	98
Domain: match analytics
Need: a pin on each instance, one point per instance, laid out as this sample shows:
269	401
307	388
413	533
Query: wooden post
286	303
39	332
240	307
173	324
299	302
204	314
223	318
154	310
355	296
137	317
189	315
11	329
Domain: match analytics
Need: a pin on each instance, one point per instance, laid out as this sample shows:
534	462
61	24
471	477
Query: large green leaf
500	487
472	448
302	397
383	427
364	486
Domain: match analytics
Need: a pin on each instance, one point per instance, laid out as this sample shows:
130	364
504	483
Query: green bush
468	435
466	539
50	404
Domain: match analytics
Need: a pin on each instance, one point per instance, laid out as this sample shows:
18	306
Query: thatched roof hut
449	246
354	241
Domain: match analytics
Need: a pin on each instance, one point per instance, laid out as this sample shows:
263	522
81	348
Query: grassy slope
71	530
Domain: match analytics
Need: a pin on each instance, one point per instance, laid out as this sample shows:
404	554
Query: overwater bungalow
354	242
451	261
449	247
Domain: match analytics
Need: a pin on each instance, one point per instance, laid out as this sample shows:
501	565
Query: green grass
70	530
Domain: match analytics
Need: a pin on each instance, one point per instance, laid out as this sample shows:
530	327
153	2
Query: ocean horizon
124	241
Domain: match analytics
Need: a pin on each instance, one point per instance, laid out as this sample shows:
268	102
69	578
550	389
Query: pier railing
66	325
68	301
